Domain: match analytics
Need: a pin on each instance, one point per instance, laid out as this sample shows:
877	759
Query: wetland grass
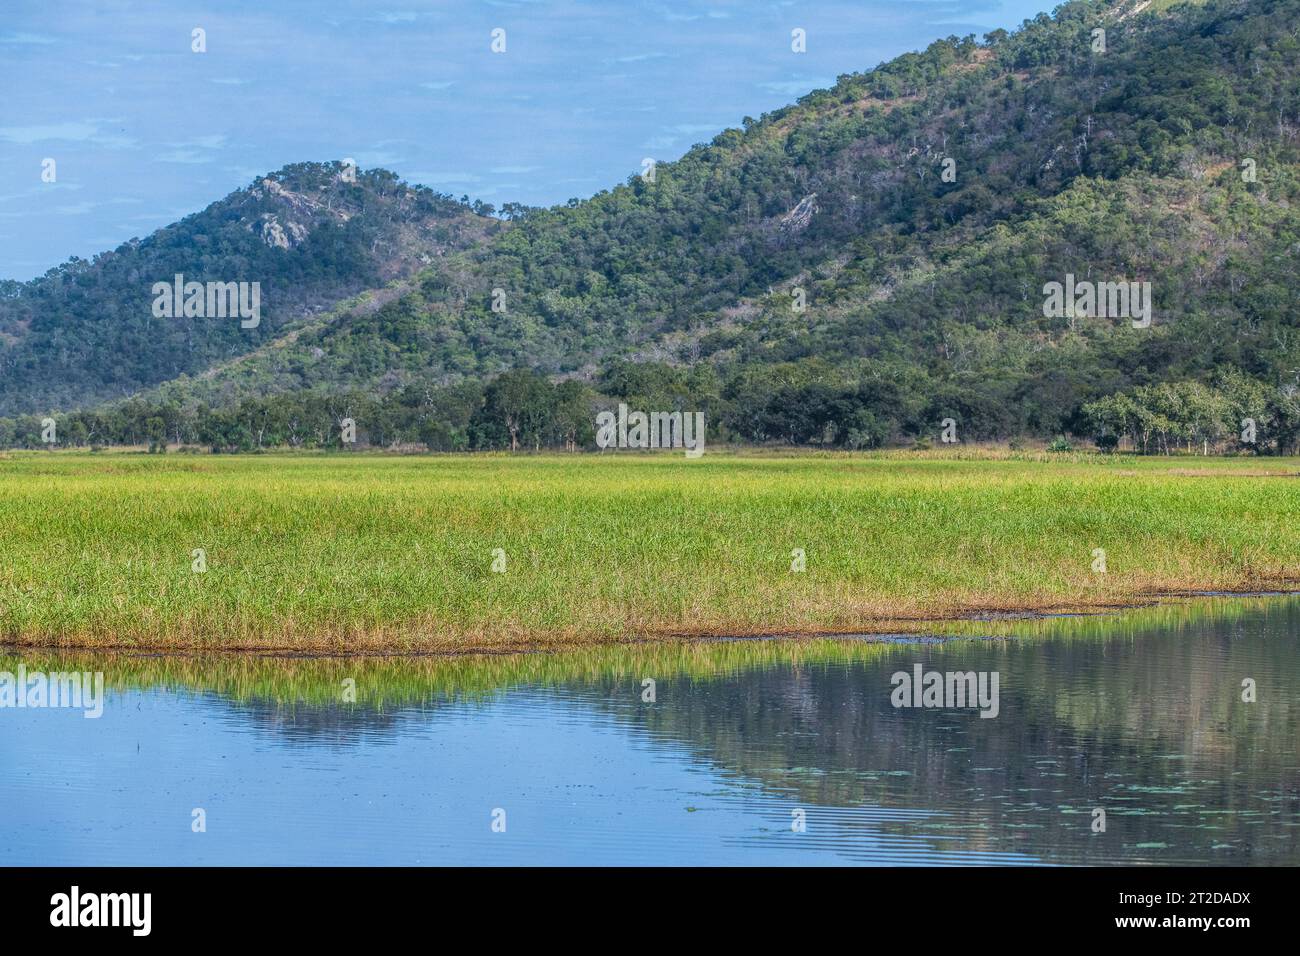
395	554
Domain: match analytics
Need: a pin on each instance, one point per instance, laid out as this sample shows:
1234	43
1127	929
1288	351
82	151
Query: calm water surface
1141	716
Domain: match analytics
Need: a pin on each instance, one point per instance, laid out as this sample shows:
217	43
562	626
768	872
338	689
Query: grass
378	553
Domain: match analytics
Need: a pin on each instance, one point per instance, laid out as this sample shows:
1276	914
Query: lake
733	752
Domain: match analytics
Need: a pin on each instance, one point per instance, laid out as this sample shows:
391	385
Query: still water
752	752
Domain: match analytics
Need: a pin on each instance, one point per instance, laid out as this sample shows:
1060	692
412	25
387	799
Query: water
1140	715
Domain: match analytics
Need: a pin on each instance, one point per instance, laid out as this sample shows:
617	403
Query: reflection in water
1141	716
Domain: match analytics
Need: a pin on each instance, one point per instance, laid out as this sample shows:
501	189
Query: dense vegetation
1240	414
814	277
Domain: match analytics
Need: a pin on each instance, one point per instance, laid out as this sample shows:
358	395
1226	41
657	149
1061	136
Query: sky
143	130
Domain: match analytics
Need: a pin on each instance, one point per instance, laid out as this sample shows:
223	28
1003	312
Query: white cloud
90	205
443	178
26	39
26	135
798	87
639	58
196	151
188	156
369	159
83	132
41	188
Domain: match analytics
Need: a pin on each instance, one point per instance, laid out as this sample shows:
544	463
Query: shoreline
878	631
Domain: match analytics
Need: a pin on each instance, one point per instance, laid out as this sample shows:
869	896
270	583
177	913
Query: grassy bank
384	681
372	552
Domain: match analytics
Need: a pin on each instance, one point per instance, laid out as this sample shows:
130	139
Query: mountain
310	235
857	267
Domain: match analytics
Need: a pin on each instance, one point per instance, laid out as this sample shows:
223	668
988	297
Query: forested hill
860	265
310	235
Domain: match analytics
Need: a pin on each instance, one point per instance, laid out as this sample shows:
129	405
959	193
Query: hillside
856	267
86	332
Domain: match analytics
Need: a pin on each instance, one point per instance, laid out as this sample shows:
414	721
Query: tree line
1241	414
808	405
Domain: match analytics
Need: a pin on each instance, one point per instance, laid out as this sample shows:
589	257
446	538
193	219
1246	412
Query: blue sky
144	131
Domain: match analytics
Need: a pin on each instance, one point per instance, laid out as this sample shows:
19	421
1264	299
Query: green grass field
371	552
